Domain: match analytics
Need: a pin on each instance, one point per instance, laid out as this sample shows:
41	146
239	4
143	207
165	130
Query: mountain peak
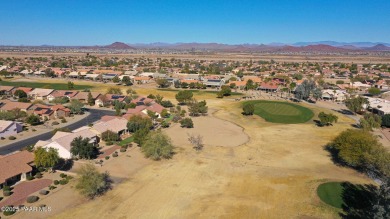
119	45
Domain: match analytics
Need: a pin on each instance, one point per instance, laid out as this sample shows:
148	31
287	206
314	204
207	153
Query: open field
281	112
331	193
274	173
219	56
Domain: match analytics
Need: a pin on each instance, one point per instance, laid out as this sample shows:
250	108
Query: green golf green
281	112
331	193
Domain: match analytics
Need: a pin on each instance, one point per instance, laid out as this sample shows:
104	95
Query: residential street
95	115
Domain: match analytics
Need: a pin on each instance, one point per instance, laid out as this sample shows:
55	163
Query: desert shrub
64	120
63	181
52	187
248	109
32	199
107	157
122	150
69	177
9	210
56	182
108	143
187	123
2	138
55	123
38	175
11	137
176	118
43	192
34	130
41	169
29	177
62	175
6	188
115	155
7	193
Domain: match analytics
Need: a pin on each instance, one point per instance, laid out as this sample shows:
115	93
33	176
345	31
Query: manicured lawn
126	141
56	86
331	193
281	112
198	91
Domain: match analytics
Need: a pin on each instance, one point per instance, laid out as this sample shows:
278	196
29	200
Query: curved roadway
94	116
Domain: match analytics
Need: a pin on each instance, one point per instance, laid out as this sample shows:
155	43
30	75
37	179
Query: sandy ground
215	132
273	175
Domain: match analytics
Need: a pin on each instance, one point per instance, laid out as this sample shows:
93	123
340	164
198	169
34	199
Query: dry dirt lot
273	175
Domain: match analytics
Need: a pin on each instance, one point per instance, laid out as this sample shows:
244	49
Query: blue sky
101	22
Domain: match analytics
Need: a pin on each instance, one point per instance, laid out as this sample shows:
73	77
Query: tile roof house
40	93
15	167
83	96
6	90
16	105
61	93
25	89
117	125
62	141
8	128
109	98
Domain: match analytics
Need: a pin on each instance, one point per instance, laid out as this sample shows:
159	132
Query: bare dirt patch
215	132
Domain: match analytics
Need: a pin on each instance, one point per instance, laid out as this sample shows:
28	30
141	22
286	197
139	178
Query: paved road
95	115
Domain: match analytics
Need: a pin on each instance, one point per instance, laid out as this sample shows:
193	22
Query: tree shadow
65	165
344	111
358	200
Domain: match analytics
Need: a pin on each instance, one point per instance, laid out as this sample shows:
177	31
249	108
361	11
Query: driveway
24	189
95	115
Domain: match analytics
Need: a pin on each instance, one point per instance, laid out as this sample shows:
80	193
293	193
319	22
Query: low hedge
32	199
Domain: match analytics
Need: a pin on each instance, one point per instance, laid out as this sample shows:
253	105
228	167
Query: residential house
142	80
62	141
27	90
8	128
103	100
6	90
83	96
8	106
114	124
269	87
40	93
61	93
214	82
15	167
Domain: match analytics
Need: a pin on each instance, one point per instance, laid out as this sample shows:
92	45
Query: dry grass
273	175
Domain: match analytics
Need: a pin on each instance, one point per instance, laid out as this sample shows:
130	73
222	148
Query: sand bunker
215	132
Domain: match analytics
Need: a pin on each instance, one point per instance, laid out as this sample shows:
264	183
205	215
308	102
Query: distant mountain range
321	46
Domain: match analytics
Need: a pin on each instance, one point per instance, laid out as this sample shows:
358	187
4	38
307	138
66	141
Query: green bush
69	177
38	175
29	177
7	193
56	182
107	157
11	137
52	187
32	199
64	181
115	155
187	123
6	188
108	143
63	175
9	210
55	123
41	169
122	150
64	120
